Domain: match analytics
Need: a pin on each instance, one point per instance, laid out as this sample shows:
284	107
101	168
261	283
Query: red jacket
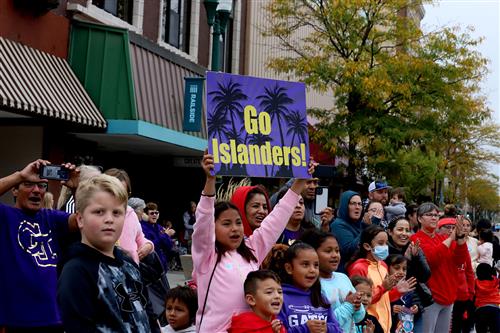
487	292
249	322
443	262
466	279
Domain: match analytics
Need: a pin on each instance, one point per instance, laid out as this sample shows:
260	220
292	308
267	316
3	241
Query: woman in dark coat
399	243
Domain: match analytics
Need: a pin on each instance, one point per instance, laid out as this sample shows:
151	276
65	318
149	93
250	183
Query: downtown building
102	82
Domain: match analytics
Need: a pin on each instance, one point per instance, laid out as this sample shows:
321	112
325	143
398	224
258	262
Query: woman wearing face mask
253	205
369	262
399	243
444	254
347	227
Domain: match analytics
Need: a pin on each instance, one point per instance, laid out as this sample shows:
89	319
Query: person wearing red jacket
462	318
253	205
444	254
487	300
264	295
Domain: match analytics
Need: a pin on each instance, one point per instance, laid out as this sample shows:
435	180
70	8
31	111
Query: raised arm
28	174
203	246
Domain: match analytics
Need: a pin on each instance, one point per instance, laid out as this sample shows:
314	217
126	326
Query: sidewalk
175	278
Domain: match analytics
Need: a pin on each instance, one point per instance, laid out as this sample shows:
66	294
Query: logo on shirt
37	244
128	297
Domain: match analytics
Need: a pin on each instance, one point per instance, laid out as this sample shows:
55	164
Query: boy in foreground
264	295
100	288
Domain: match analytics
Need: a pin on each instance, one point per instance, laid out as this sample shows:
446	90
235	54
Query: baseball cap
446	221
377	185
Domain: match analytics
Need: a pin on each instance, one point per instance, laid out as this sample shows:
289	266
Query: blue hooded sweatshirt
297	310
346	230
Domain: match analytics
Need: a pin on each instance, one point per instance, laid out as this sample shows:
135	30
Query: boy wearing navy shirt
29	238
100	289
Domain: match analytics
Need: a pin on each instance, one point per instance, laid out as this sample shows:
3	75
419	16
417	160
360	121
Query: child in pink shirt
222	257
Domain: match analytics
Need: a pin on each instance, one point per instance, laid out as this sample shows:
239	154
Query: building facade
102	82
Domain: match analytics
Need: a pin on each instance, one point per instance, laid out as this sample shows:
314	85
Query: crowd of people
261	263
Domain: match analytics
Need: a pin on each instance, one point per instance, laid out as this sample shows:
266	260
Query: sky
484	16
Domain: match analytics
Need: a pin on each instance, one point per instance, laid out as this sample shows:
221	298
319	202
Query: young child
336	287
396	206
222	257
368	262
485	247
181	304
264	295
364	287
100	288
398	266
487	300
304	307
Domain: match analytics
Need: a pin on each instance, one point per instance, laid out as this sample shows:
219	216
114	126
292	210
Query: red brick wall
48	33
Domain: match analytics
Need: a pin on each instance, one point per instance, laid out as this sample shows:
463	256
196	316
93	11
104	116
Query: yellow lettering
296	160
277	158
265	152
254	152
286	155
264	123
224	152
215	150
250	119
234	156
242	154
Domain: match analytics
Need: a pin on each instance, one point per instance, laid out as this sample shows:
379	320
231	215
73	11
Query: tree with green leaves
400	95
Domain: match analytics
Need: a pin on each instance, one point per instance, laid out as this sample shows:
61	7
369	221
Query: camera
54	172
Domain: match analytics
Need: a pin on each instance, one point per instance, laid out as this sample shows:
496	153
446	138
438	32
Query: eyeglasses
42	185
359	204
153	212
448	226
431	215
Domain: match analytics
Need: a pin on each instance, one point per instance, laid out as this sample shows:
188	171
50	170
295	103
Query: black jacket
97	293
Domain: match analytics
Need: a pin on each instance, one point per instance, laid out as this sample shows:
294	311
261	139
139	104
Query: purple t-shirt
28	278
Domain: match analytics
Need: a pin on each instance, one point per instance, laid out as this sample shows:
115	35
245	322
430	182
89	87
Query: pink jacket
225	297
132	237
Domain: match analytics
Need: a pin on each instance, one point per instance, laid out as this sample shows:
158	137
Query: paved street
176	278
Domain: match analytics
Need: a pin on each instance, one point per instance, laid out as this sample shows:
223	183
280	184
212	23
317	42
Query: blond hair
102	183
86	171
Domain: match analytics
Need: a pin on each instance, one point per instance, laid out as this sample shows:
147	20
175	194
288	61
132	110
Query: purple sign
257	127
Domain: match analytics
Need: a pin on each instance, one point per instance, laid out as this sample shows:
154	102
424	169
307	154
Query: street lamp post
218	13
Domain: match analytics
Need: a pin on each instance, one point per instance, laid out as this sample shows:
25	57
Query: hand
169	231
207	163
369	327
144	250
413	249
389	282
326	215
276	326
299	183
74	177
414	309
30	172
354	299
316	326
397	309
405	286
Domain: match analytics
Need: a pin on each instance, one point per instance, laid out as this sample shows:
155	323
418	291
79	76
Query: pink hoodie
225	297
132	237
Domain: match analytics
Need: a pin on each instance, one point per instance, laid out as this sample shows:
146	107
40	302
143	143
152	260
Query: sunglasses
153	212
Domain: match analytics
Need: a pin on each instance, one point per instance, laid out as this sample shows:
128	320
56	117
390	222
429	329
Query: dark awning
32	81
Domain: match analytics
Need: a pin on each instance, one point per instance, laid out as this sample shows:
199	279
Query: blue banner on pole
193	95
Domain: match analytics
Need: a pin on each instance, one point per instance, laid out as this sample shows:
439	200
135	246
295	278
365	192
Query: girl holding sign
222	257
